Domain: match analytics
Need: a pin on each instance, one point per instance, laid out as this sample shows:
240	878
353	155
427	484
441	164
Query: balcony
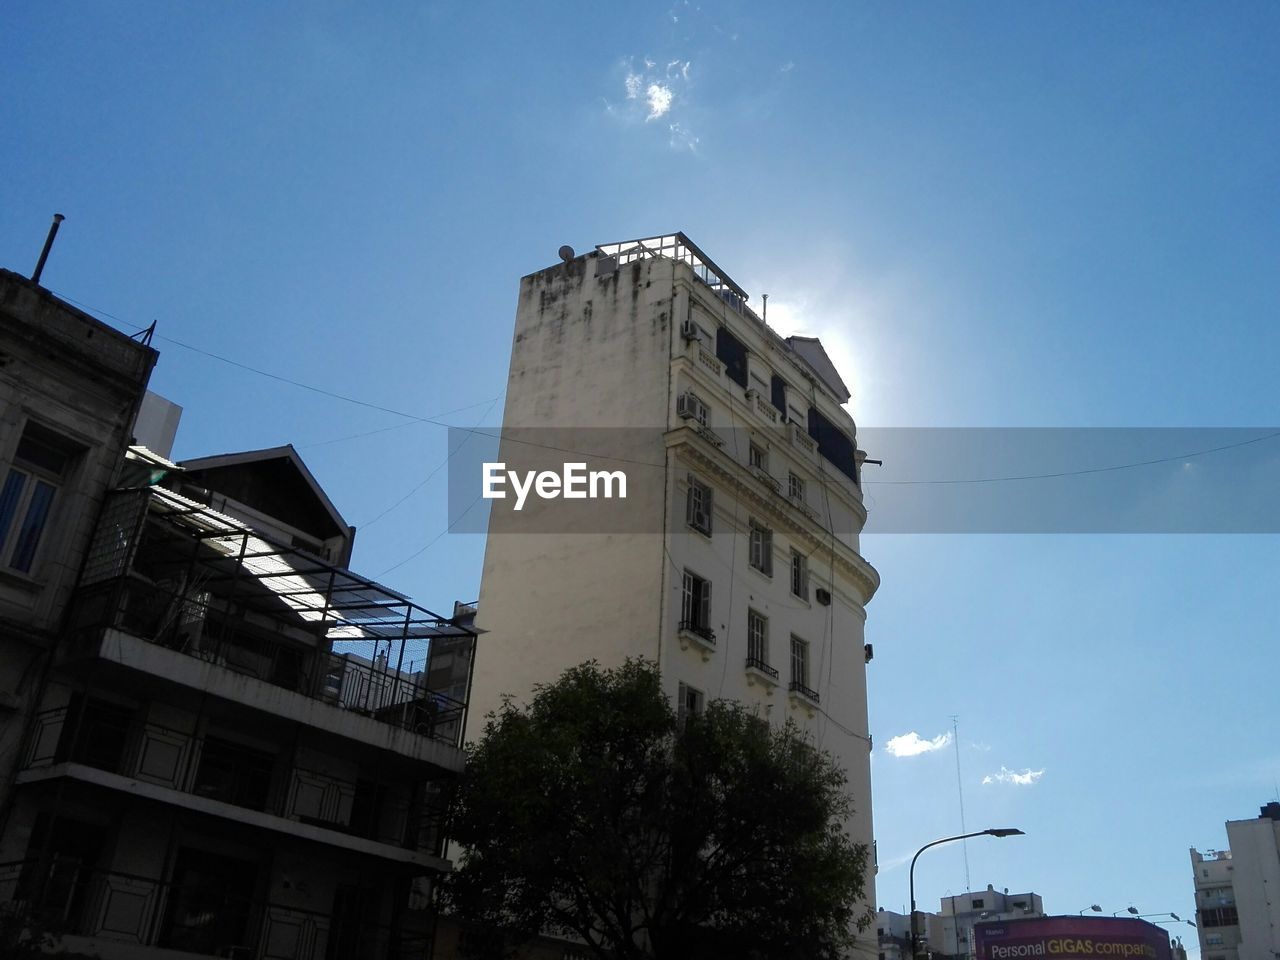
113	915
698	635
175	590
803	696
759	672
101	745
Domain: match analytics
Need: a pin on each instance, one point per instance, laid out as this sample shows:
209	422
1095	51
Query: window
758	457
1213	939
761	548
799	664
26	499
699	507
795	487
690	705
778	393
732	352
978	903
757	640
799	574
833	444
695	606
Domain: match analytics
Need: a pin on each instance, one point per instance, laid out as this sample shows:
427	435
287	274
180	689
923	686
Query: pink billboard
1070	938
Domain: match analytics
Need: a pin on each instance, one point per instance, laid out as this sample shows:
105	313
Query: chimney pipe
48	243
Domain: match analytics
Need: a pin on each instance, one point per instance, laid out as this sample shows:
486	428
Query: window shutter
704	605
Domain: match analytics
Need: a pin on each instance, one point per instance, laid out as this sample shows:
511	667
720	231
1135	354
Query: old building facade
224	743
733	561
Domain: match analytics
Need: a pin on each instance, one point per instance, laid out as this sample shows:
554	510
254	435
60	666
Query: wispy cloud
1024	779
912	744
656	91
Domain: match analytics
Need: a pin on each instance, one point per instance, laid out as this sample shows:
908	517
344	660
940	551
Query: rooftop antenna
48	245
764	310
964	844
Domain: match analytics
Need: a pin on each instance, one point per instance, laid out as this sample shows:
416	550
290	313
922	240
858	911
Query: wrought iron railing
755	663
806	692
698	629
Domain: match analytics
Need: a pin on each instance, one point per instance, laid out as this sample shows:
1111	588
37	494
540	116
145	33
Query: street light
1094	907
1163	913
911	874
1132	910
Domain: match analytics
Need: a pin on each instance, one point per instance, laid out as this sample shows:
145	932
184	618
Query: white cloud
912	744
1024	779
655	90
659	98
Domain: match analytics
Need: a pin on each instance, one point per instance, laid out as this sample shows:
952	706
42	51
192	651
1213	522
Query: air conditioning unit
824	596
689	330
689	406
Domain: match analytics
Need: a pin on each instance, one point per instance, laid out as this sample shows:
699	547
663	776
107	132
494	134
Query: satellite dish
566	253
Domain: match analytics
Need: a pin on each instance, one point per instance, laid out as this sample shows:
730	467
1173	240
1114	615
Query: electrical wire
427	479
268	374
648	463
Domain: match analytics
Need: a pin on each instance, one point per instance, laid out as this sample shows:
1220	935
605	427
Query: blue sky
1022	214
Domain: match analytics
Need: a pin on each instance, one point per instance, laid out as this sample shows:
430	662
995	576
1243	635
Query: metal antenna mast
964	844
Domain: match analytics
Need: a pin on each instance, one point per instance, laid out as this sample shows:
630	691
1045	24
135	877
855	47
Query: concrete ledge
228	811
219	681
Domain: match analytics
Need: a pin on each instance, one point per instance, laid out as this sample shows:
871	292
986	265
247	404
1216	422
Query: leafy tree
592	814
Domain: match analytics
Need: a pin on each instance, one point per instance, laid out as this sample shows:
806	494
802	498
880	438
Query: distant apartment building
949	932
736	565
1238	891
224	742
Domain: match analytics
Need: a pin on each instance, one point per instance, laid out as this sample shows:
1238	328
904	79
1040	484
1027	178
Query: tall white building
734	561
1238	891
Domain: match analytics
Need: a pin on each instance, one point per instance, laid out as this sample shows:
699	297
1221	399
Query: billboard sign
1070	938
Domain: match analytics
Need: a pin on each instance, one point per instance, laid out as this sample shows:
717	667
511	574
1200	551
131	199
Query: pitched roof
276	481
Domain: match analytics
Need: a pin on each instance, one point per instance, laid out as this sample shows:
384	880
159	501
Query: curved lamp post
1164	913
1132	910
1093	906
911	874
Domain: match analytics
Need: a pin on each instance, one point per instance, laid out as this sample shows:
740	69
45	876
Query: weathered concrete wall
587	353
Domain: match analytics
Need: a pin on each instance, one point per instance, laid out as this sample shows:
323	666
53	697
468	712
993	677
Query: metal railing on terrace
173	572
106	736
65	897
676	246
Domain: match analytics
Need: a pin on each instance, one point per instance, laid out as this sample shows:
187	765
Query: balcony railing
806	692
96	734
699	630
64	897
174	573
755	663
